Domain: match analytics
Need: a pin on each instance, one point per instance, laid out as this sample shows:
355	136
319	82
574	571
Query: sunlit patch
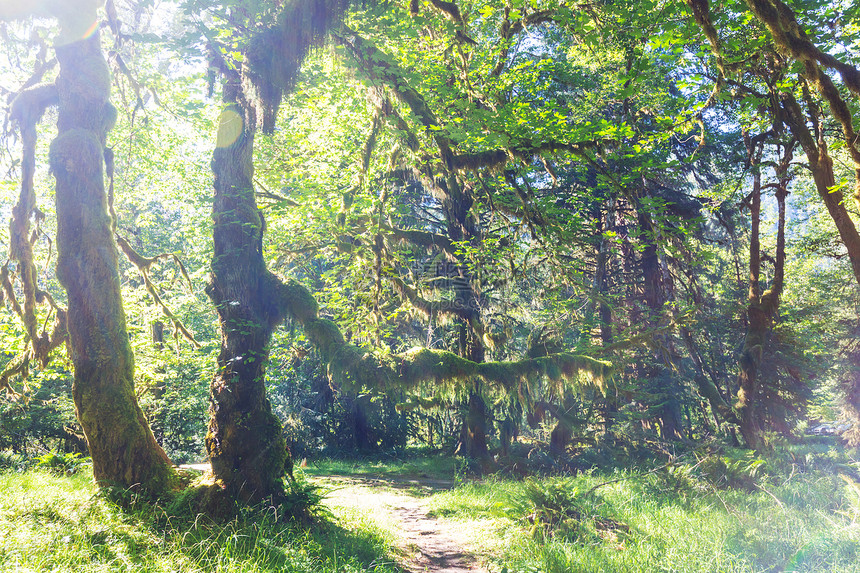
229	128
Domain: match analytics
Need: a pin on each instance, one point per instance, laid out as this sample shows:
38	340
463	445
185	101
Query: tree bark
655	294
762	308
562	433
123	449
473	433
245	442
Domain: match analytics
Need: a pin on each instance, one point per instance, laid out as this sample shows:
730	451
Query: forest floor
793	509
424	542
397	501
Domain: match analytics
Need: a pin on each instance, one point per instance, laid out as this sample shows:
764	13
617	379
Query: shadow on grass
259	540
58	532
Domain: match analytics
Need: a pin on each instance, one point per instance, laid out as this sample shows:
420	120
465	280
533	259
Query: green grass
60	523
681	519
795	510
429	465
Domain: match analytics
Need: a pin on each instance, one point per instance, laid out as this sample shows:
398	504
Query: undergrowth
796	509
52	521
724	511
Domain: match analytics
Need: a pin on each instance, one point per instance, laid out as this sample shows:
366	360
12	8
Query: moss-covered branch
26	111
422	239
788	34
348	363
18	366
379	67
509	29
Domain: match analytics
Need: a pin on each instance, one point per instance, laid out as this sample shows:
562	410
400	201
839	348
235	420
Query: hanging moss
273	56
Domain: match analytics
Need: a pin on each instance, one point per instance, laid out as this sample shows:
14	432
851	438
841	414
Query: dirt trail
427	544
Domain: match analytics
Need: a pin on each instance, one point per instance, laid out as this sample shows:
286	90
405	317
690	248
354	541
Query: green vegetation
596	266
704	510
720	512
421	464
62	523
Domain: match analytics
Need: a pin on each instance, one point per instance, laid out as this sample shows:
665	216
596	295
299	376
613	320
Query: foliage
557	509
638	520
62	463
304	499
528	175
59	523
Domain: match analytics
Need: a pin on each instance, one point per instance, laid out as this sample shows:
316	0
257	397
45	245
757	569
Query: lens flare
91	30
229	128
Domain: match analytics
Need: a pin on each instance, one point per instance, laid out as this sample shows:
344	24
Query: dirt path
427	545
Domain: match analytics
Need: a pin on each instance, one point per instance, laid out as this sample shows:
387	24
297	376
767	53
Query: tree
124	451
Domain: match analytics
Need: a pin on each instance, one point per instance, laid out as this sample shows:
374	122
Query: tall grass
58	523
708	515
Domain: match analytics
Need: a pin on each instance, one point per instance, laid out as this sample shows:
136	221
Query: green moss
76	152
295	300
356	368
325	336
274	56
350	364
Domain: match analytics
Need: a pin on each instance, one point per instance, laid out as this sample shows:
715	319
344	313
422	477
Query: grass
58	523
795	510
683	518
416	465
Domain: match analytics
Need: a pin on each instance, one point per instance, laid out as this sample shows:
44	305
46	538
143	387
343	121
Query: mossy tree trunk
245	441
762	307
472	441
123	449
461	226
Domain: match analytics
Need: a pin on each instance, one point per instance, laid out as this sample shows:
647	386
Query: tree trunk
562	433
473	434
761	308
362	431
245	441
157	331
655	294
123	449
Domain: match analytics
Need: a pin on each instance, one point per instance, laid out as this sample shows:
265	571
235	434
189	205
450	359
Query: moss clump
294	300
76	152
365	369
421	365
326	336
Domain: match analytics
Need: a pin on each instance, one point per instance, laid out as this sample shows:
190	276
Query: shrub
62	463
556	509
730	472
